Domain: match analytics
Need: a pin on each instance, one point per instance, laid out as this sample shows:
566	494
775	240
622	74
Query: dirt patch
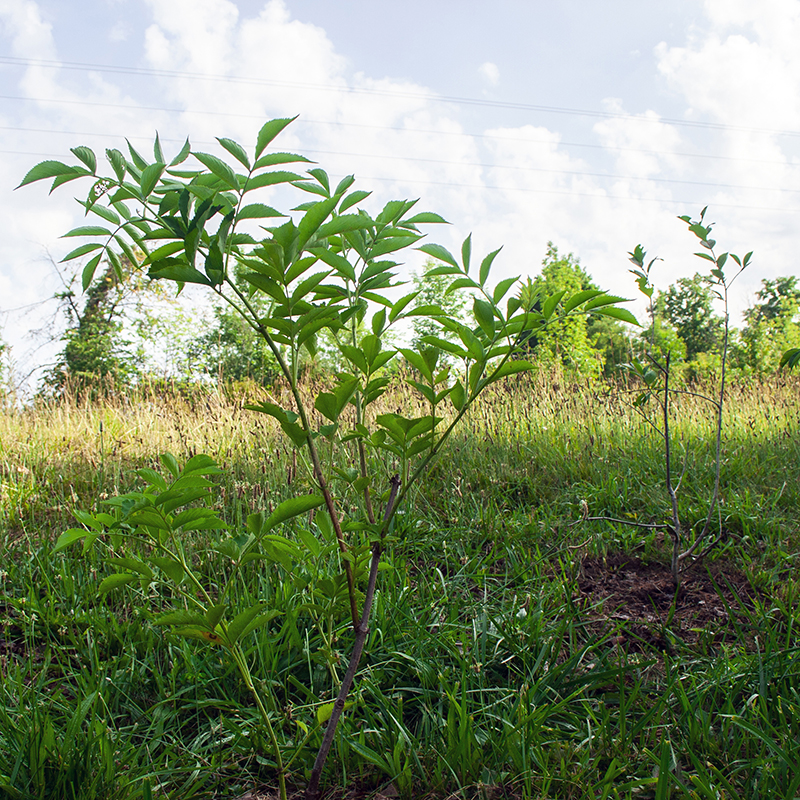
711	607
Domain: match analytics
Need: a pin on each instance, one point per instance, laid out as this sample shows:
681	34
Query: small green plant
330	267
656	372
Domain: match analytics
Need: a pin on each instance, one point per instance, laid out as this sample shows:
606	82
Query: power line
415	159
577	194
527	140
429	96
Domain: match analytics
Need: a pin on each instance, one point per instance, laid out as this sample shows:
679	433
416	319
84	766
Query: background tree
231	350
567	341
772	325
96	353
687	306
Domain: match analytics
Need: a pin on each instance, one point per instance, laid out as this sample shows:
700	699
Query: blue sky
589	124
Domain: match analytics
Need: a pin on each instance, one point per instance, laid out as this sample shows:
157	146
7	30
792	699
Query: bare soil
711	607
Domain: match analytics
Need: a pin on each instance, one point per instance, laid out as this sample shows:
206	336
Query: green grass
484	675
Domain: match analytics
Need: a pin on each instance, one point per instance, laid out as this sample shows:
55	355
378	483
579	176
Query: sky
591	125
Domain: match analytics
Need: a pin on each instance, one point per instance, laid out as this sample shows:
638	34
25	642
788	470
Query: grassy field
495	667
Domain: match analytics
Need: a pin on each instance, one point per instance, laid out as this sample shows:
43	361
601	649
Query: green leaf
269	131
484	314
258	211
107	214
440	253
150	177
238	624
581	297
272	159
292	507
49	169
466	252
486	266
312	220
88	230
158	153
112	582
345	222
183	155
180	617
236	150
503	287
338	262
398	306
138	161
617	313
352	199
182	273
117	161
219	168
201	464
549	305
86	155
171	463
88	271
425	217
458	395
271	179
215	614
69	537
171	568
511	368
132	565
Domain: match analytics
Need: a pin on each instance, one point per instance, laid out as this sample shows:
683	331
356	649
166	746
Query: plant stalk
312	790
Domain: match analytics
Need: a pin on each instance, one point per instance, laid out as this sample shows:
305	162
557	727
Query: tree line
113	335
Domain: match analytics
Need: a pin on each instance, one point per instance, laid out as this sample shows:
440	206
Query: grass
486	674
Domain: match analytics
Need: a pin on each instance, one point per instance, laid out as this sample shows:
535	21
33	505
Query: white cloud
514	185
490	73
743	72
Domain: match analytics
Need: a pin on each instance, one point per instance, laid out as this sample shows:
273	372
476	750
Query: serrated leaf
440	253
68	538
241	621
484	314
87	156
219	168
82	251
271	179
88	230
502	288
352	199
549	305
466	252
617	313
117	161
236	150
180	617
292	507
269	131
111	582
150	177
486	266
48	169
182	155
458	396
258	211
88	271
170	567
581	297
425	217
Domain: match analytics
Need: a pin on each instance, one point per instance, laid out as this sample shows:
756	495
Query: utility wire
467	135
428	96
417	160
